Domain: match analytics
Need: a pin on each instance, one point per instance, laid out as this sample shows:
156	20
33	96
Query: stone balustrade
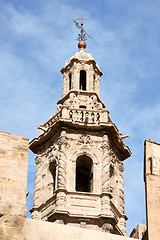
82	116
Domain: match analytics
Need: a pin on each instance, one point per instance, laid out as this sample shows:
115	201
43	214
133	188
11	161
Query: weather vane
82	35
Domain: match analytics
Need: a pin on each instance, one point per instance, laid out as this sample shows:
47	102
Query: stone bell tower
80	153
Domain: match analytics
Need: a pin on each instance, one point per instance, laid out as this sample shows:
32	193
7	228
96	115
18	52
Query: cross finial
82	34
82	19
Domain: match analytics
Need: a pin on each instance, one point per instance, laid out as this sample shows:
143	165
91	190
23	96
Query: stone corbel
41	129
123	136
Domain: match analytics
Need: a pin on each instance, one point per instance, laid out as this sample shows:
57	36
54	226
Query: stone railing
52	120
88	116
81	116
42	128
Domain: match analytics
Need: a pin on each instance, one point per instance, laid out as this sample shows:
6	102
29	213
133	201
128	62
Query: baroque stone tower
80	153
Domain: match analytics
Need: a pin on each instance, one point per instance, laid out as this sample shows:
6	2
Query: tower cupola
81	73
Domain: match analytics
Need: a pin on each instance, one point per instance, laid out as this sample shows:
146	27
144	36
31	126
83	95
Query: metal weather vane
82	35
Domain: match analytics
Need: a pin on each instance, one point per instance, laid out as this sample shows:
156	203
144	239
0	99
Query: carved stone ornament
62	143
113	155
85	140
38	160
83	55
109	189
35	215
82	99
105	146
72	100
107	227
53	158
121	168
59	107
50	151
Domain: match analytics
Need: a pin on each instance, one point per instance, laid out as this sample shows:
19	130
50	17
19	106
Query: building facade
152	188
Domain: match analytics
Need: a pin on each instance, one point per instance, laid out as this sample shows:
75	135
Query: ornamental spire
82	35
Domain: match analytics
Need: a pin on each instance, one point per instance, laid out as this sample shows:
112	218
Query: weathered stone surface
38	230
139	232
13	185
152	187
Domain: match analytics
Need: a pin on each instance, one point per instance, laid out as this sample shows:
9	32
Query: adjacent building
152	188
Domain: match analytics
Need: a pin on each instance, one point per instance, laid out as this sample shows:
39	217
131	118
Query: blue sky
38	37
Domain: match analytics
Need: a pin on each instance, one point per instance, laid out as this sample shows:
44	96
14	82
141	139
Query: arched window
84	174
82	82
52	168
70	81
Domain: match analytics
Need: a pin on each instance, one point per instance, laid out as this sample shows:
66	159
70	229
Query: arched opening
70	81
82	82
52	169
84	174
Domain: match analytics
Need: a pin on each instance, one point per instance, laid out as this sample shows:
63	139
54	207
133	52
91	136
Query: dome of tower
81	56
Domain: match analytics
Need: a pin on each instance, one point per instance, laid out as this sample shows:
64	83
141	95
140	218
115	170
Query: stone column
105	204
37	186
64	84
37	189
121	189
106	211
75	77
105	148
122	224
89	82
61	200
98	85
105	173
61	180
62	148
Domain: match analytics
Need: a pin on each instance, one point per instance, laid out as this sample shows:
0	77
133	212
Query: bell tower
80	154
